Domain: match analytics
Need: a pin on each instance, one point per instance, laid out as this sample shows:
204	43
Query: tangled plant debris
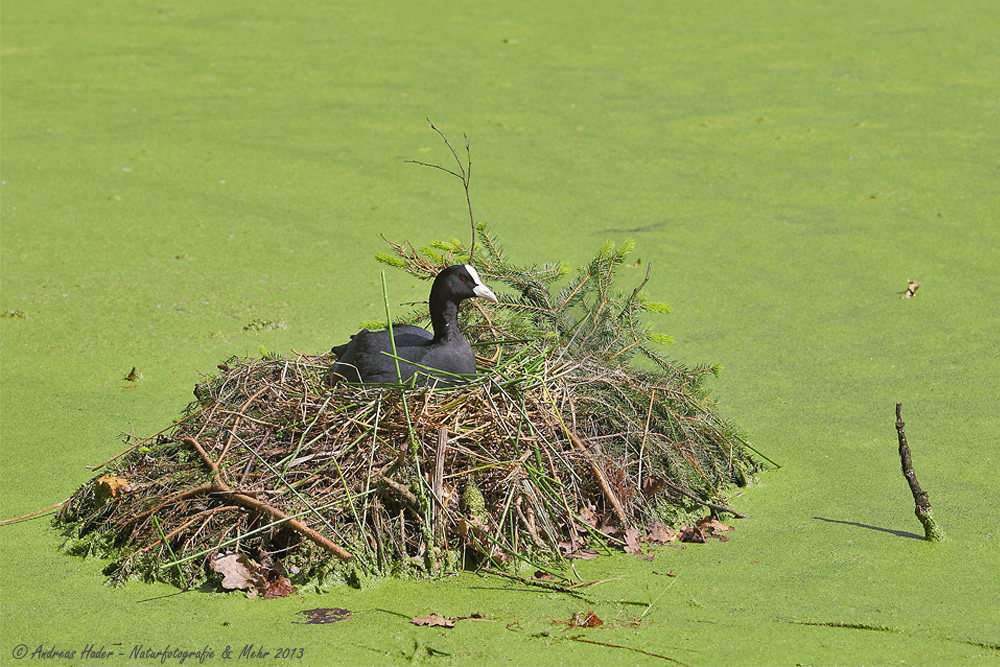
561	448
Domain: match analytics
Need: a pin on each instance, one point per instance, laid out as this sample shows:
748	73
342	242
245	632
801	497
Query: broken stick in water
923	505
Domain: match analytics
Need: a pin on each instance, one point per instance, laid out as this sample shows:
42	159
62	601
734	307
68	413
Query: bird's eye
463	278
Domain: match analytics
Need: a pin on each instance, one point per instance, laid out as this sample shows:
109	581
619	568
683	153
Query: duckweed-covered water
176	176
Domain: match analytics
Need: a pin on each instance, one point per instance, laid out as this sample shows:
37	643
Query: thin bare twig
635	292
465	176
143	441
540	583
28	516
628	648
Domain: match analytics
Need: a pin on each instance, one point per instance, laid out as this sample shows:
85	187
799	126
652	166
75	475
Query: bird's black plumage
366	358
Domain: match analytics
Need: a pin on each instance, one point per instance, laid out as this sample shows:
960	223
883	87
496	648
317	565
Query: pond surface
174	173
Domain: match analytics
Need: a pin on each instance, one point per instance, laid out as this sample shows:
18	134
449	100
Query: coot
362	359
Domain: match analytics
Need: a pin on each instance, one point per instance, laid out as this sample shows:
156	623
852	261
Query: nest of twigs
554	446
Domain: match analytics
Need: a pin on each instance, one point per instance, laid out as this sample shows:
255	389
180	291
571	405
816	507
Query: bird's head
460	282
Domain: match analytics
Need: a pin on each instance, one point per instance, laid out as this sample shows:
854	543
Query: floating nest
559	444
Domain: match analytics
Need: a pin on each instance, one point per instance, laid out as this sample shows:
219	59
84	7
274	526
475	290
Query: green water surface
174	172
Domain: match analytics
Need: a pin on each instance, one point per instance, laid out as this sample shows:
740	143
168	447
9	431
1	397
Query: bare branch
465	176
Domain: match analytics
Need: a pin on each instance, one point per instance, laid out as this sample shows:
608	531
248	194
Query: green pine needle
654	307
397	262
662	339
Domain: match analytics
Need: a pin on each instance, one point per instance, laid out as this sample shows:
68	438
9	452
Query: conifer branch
589	314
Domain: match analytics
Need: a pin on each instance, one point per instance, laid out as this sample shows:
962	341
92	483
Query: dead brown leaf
651	485
432	620
659	533
235	569
693	534
271	583
711	524
239	572
586	619
632	537
588	516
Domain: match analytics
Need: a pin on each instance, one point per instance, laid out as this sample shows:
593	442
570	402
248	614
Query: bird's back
443	355
362	360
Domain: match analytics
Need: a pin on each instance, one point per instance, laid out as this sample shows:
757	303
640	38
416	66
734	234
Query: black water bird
367	358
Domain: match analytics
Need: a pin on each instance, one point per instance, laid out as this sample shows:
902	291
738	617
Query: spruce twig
932	532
